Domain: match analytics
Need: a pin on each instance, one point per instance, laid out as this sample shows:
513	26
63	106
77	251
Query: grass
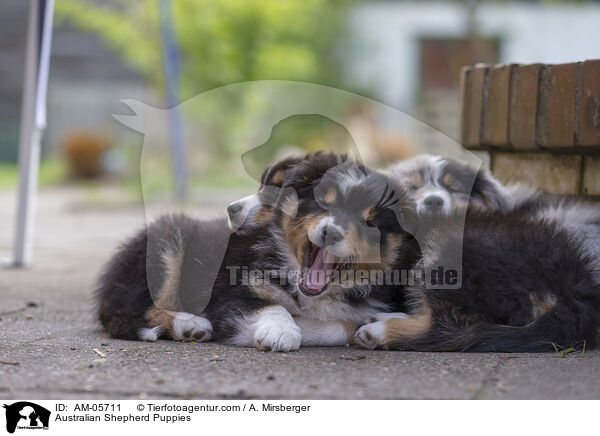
562	352
158	182
52	172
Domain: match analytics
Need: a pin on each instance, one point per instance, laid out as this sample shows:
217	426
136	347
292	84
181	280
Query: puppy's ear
274	174
408	219
310	169
404	208
488	193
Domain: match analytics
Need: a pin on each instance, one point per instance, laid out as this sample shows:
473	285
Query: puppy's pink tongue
316	277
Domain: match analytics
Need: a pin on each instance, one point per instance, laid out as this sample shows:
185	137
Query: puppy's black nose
331	234
434	202
233	209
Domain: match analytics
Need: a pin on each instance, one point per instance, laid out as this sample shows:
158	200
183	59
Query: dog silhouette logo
26	415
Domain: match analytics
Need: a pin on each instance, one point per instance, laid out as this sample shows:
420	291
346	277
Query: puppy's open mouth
318	269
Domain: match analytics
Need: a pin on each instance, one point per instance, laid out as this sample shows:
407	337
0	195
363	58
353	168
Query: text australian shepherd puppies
288	280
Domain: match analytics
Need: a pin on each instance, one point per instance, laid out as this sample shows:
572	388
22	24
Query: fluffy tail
561	328
558	329
122	294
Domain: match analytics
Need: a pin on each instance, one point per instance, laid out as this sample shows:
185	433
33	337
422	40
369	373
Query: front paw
371	335
282	338
191	327
275	330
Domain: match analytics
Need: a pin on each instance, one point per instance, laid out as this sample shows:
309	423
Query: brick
591	175
523	106
556	173
465	92
496	106
473	83
589	110
556	115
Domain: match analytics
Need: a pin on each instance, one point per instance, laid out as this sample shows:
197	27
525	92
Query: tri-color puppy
287	280
527	285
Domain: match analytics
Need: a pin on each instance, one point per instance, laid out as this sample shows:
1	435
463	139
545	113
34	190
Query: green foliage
221	42
52	172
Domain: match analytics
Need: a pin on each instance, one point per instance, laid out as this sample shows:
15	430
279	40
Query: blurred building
410	53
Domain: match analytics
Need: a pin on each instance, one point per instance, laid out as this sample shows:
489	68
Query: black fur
509	262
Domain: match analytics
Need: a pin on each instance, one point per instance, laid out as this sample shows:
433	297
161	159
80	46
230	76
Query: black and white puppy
330	219
439	185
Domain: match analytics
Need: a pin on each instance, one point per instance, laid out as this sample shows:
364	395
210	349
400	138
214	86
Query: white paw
384	316
275	330
191	327
371	335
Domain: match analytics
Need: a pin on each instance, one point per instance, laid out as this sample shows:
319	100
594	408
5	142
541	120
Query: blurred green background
406	54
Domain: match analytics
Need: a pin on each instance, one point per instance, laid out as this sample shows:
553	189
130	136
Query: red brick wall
540	123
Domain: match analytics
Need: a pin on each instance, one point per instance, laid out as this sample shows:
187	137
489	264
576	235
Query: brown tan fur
330	196
350	328
160	318
296	231
414	326
415	179
449	181
277	178
265	215
167	298
543	305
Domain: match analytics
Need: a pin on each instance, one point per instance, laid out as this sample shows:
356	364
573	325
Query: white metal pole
33	121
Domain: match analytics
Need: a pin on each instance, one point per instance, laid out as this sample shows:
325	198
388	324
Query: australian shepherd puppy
439	185
529	283
285	281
